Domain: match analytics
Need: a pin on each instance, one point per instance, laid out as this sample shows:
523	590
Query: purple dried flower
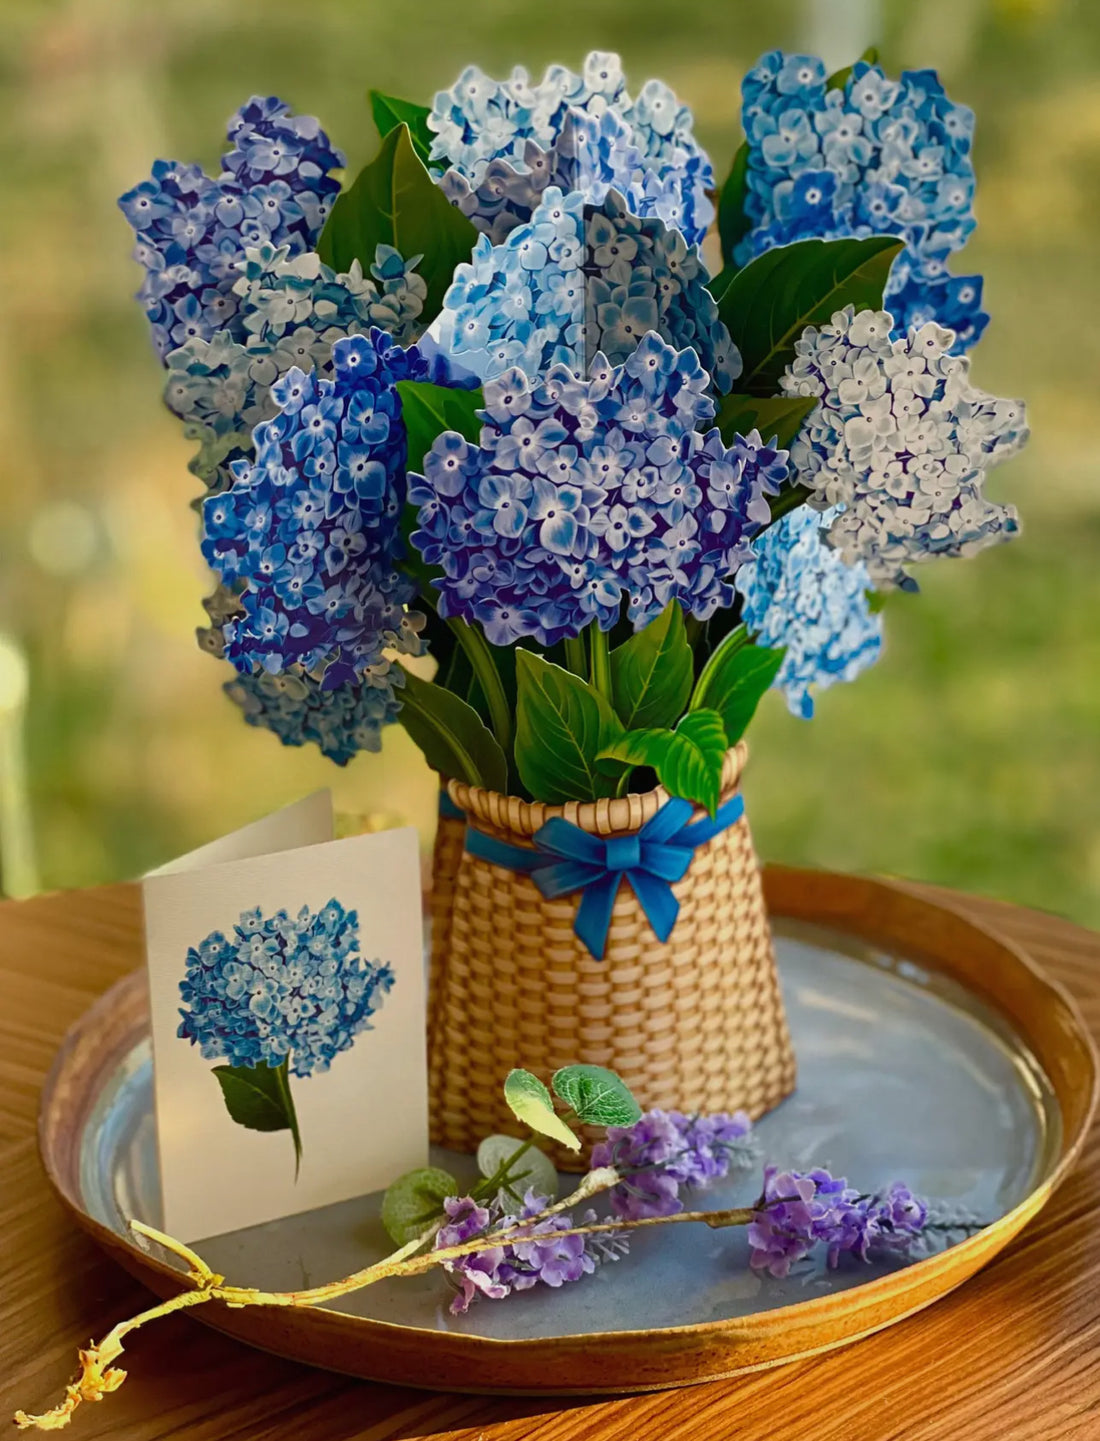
785	1225
664	1151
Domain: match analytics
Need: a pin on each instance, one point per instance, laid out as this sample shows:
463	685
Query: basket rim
609	816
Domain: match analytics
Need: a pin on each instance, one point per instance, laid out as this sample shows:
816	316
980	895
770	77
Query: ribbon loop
566	859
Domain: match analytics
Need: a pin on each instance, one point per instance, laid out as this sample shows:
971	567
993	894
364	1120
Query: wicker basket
695	1023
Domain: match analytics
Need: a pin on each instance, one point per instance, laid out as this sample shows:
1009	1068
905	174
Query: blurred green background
970	755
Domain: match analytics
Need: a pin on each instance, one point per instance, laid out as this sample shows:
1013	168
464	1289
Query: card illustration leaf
258	1097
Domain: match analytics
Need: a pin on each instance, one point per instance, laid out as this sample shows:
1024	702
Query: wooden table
1014	1355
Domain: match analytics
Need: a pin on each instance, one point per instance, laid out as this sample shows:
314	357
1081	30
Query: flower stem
492	687
600	654
576	658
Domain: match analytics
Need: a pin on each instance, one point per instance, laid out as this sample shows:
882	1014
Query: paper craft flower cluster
583	493
865	155
192	229
506	141
309	533
900	440
281	989
578	281
642	429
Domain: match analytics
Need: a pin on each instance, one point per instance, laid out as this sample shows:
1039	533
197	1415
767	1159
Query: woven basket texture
692	1024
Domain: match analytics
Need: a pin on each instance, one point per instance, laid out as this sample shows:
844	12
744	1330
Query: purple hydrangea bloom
537	1254
874	156
666	1150
308	536
192	229
581	493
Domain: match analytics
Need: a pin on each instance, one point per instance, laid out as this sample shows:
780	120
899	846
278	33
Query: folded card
286	989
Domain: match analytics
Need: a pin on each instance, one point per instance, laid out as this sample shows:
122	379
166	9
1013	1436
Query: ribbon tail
594	913
657	901
561	878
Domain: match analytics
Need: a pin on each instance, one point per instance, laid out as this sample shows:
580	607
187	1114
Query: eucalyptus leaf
597	1096
651	673
455	741
414	1201
395	202
688	760
733	223
533	1171
562	725
530	1102
734	681
779	416
428	410
389	112
775	297
258	1097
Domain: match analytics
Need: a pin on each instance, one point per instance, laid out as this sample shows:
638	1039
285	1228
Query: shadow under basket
694	1023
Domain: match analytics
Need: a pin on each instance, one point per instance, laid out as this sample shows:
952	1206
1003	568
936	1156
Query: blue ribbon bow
566	859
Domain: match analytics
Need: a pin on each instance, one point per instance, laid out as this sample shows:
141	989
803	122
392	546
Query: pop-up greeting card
286	991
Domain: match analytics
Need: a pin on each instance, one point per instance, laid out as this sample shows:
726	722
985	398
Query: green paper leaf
652	672
597	1096
530	1102
733	681
259	1098
389	112
780	416
839	78
428	410
562	725
688	760
775	297
732	220
395	202
533	1170
414	1201
455	741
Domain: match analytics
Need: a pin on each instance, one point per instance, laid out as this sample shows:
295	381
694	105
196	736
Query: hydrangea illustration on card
282	995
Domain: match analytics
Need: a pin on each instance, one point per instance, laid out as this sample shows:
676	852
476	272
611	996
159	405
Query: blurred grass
969	756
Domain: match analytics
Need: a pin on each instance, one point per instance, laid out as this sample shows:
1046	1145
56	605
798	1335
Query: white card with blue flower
286	991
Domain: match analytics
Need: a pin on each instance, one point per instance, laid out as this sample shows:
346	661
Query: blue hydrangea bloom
798	593
339	722
579	281
291	310
505	141
309	534
901	441
192	228
584	492
281	988
873	157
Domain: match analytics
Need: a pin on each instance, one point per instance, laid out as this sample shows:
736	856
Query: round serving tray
930	1050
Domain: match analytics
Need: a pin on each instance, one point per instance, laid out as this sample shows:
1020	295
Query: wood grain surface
1013	1355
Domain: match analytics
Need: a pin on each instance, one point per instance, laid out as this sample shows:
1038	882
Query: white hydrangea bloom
901	441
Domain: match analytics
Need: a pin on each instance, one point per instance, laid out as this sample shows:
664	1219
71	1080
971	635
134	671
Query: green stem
733	642
693	629
282	1080
600	652
576	658
492	687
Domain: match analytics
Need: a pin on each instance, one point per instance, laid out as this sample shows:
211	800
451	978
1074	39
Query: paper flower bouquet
488	402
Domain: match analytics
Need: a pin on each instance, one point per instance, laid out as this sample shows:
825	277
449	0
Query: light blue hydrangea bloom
798	593
872	157
506	141
901	440
193	228
308	537
577	281
291	310
282	988
583	492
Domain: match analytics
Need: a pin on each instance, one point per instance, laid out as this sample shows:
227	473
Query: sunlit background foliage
970	755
